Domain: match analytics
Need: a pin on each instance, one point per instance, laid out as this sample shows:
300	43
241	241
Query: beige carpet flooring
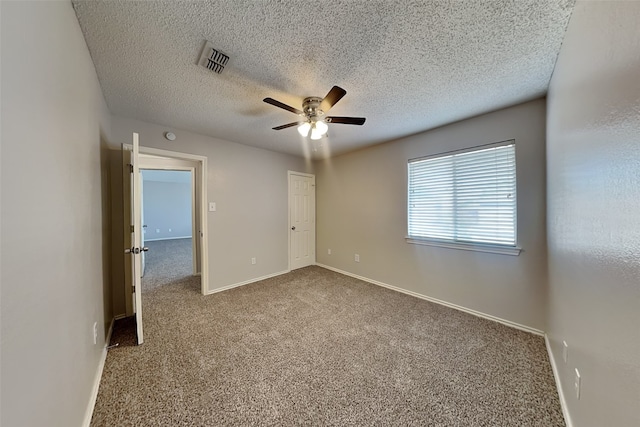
167	262
313	347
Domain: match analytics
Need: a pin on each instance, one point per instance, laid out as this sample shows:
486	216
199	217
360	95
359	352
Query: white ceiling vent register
212	59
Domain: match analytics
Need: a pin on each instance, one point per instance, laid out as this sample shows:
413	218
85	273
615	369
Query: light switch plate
212	206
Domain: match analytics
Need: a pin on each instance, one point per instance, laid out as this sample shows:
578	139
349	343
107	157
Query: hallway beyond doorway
167	262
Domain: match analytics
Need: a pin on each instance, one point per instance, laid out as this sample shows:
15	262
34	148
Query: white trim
119	316
166	153
438	301
96	381
502	250
556	377
168	238
247	282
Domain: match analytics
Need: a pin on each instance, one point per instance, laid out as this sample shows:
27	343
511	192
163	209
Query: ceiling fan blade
346	120
283	106
335	94
288	125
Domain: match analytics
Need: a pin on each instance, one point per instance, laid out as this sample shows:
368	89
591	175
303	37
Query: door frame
199	176
308	175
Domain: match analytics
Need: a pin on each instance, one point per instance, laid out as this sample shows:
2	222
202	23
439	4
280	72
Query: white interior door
136	238
302	220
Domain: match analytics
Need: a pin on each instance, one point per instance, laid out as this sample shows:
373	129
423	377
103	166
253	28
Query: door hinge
133	228
133	291
130	168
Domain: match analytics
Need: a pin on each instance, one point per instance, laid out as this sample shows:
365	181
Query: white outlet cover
212	206
328	251
357	258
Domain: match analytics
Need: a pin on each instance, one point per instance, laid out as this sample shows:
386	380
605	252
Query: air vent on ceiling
212	59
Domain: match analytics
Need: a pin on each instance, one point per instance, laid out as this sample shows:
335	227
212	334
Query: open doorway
156	159
168	218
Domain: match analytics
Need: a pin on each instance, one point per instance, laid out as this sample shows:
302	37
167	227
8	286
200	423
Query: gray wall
594	212
167	208
55	217
361	208
249	186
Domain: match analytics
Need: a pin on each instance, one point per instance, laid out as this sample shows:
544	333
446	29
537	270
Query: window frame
503	249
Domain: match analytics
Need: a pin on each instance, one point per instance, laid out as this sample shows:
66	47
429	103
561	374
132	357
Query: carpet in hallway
167	261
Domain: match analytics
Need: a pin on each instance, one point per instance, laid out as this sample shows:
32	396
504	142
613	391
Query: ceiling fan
313	113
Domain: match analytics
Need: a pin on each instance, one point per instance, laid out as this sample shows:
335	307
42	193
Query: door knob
136	250
293	228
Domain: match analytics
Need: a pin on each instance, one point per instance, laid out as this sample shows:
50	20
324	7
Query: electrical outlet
565	351
328	251
253	261
95	333
357	257
576	384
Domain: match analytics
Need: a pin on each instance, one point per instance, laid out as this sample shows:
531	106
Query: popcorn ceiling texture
407	66
316	348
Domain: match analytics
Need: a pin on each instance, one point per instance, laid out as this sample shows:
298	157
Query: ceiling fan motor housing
311	108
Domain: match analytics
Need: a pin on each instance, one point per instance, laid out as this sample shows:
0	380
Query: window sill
502	250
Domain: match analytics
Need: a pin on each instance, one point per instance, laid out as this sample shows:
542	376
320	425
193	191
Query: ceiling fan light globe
315	135
304	128
322	127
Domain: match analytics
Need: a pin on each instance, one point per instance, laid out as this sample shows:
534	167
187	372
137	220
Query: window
465	199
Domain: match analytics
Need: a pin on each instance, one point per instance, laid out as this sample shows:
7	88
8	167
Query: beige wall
361	199
54	215
249	186
594	212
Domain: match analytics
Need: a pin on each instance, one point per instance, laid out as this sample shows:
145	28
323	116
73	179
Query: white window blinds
465	197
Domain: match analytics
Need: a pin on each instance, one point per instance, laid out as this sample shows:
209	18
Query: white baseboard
167	238
438	301
556	377
246	282
96	382
116	317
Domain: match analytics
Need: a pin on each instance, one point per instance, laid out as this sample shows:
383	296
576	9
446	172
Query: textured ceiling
407	66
